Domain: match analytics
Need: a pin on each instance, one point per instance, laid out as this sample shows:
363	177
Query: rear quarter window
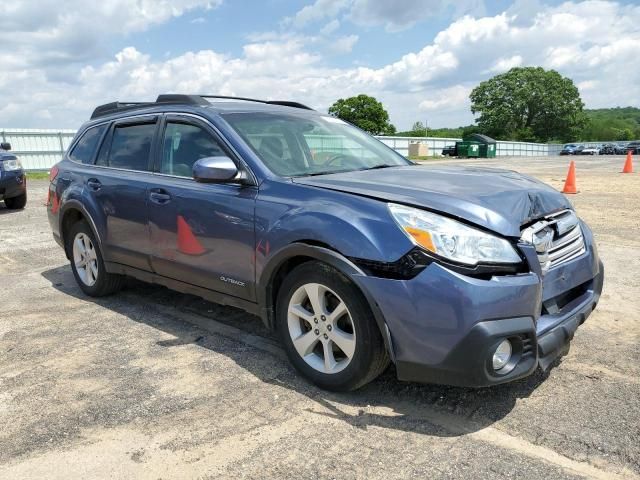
85	149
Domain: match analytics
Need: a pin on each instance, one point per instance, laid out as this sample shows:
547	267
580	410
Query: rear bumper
12	184
444	327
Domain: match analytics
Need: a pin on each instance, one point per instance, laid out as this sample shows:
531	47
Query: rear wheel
87	263
16	203
328	330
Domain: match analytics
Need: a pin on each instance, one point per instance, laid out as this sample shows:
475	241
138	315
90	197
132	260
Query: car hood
500	200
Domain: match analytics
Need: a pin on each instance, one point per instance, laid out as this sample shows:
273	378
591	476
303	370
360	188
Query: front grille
557	239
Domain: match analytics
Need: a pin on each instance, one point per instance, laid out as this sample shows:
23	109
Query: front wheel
87	263
328	330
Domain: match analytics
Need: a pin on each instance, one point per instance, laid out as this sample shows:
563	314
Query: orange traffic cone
628	165
187	241
570	183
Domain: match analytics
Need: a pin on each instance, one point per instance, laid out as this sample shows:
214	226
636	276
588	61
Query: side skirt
182	287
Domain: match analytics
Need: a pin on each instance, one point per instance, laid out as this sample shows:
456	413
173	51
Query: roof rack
182	99
285	103
112	107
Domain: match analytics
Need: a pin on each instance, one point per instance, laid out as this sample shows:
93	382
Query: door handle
159	196
94	184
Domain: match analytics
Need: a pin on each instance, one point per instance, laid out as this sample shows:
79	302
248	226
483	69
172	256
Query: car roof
196	104
215	102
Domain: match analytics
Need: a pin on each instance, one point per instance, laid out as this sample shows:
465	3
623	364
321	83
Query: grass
425	157
37	175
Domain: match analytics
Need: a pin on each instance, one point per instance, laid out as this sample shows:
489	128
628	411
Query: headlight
451	239
11	165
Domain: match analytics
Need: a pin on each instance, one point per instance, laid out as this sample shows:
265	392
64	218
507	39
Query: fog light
502	355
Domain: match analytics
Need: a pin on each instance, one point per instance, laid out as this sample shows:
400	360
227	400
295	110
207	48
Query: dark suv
13	182
633	147
355	255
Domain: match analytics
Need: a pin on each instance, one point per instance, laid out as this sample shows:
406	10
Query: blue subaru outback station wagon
356	256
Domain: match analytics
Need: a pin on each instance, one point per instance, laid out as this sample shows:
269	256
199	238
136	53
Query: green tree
364	111
419	130
529	104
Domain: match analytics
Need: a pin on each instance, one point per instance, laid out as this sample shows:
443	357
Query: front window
296	145
183	145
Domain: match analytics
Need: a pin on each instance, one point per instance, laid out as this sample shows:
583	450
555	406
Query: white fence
40	149
37	149
503	149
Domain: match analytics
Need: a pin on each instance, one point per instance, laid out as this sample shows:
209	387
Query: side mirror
5	146
214	170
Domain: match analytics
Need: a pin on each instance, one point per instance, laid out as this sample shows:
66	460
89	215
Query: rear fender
73	199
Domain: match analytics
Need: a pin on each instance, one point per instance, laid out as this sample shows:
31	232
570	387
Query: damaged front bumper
444	326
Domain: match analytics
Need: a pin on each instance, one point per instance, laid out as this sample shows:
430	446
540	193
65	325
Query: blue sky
228	27
421	58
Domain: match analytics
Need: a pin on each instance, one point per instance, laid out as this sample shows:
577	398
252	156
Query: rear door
118	183
202	233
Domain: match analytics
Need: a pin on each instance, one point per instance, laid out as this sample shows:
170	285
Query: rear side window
131	146
183	145
85	149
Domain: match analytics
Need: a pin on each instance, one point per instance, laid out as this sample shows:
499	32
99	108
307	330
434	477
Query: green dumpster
467	149
487	144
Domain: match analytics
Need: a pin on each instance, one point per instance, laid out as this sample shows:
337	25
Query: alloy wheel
85	259
321	328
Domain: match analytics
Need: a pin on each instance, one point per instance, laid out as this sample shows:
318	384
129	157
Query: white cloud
505	64
434	80
330	27
400	15
449	99
344	44
394	16
46	32
319	10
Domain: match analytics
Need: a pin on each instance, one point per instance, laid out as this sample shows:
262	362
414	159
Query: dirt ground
154	384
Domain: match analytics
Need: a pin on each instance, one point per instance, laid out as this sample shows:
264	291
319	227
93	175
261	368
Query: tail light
53	173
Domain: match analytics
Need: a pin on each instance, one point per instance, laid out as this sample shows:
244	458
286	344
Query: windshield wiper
329	172
382	165
324	172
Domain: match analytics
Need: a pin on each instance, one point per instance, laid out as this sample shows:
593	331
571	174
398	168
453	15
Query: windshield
295	145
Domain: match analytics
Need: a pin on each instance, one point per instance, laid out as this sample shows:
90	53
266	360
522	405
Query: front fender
325	255
355	226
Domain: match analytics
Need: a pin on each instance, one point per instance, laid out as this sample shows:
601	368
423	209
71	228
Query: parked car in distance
608	149
354	255
569	149
633	147
578	150
590	151
13	181
449	151
621	149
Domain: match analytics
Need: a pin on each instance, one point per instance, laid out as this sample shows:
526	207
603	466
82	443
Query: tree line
528	104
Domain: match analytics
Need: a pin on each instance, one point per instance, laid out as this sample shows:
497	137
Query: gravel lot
154	384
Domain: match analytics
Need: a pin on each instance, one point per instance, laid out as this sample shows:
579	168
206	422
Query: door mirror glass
214	170
5	146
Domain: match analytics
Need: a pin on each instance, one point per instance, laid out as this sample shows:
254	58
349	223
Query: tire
361	356
16	203
93	279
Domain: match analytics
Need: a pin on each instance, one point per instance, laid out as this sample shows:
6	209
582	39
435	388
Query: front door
201	233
